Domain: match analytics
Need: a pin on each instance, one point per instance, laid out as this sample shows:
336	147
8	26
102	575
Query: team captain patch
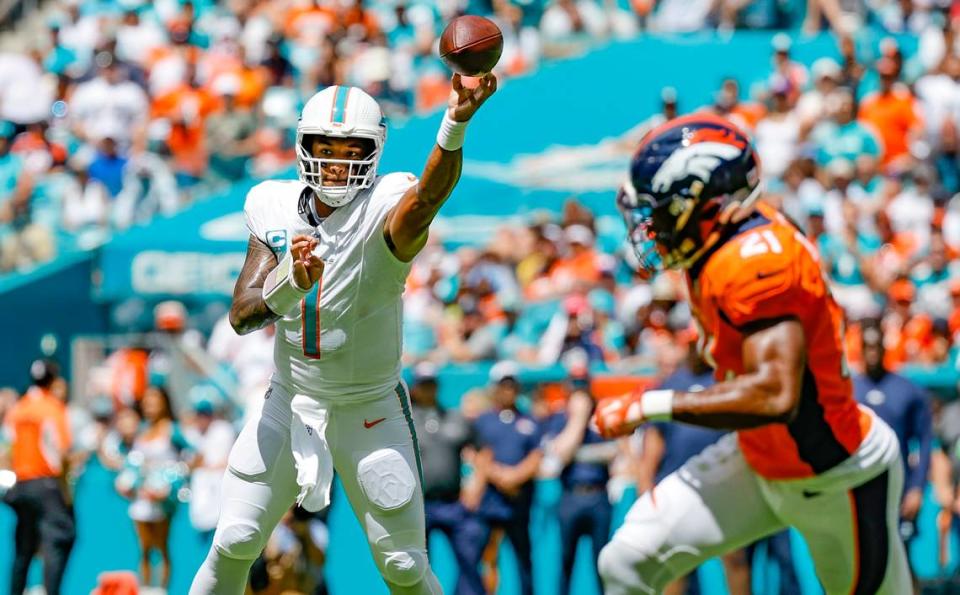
277	240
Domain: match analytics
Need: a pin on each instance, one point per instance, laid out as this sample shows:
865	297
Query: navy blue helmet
690	178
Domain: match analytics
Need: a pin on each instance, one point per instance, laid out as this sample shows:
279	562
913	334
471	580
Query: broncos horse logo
699	160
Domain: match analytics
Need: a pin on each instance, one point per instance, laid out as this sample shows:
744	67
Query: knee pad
405	568
386	479
240	540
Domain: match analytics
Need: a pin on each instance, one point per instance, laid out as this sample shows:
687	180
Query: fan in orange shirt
804	453
39	435
187	107
892	112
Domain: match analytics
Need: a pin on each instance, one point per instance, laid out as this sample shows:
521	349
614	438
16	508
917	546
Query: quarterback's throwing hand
618	416
464	102
307	266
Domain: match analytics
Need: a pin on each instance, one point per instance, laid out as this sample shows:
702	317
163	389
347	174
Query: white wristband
451	134
280	291
657	405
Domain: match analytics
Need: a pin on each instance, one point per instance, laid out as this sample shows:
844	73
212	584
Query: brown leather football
471	45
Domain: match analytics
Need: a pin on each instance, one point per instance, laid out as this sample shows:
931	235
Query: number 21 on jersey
760	242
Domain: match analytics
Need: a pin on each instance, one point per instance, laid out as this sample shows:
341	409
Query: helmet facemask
675	233
360	173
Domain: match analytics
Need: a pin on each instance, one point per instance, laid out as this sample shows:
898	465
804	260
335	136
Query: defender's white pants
715	503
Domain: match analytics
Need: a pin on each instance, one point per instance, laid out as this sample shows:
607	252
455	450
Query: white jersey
345	341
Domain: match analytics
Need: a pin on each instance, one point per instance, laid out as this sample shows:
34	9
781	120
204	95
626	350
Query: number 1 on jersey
310	322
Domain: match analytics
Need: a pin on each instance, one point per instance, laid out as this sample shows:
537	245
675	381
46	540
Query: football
471	45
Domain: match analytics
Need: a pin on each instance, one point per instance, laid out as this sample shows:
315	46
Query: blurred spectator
109	105
443	435
230	132
728	104
25	98
945	475
896	319
679	16
911	208
211	439
852	69
149	187
471	338
23	241
38	432
185	109
932	277
565	19
905	407
137	38
938	93
892	112
108	165
777	134
845	257
579	266
152	477
572	328
90	424
86	202
581	458
813	104
667	446
118	442
793	74
843	136
508	457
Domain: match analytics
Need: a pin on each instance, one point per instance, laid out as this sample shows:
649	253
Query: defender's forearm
747	401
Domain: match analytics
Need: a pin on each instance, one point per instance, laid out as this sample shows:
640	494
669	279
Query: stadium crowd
134	109
118	110
115	111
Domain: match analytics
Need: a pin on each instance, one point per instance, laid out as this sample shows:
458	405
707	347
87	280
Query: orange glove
619	416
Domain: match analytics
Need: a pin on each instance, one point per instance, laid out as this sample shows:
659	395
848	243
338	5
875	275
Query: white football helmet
340	112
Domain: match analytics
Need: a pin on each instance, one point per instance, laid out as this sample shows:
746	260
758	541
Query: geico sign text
185	272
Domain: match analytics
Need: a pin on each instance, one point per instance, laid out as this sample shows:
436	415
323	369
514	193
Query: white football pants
379	467
715	503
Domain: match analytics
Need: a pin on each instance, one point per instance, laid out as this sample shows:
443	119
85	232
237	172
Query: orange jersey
39	435
767	271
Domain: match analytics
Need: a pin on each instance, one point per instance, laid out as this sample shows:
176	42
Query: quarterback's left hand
464	102
618	416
